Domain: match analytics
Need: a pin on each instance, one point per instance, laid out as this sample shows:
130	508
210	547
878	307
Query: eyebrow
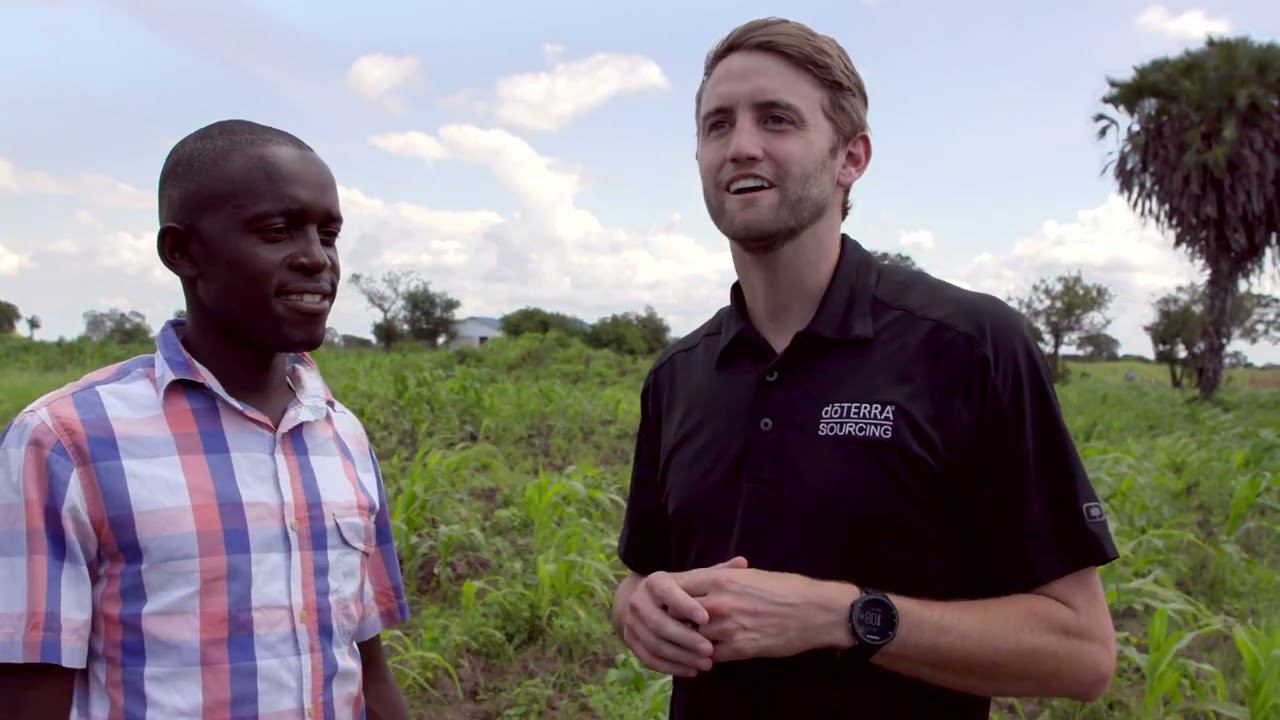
291	211
762	106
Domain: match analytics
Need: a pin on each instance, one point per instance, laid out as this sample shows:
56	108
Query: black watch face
876	620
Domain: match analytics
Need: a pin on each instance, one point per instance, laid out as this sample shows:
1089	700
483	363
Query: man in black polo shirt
853	492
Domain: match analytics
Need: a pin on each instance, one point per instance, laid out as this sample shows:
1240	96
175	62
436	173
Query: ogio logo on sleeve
1093	512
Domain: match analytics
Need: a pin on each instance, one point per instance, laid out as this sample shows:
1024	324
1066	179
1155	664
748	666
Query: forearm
1016	646
382	697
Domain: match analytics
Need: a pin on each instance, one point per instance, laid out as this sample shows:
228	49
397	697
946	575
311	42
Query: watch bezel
864	635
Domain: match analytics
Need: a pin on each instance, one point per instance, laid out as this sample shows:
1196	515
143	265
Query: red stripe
215	671
35	493
110	603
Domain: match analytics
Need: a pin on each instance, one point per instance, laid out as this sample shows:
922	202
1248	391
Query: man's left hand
756	613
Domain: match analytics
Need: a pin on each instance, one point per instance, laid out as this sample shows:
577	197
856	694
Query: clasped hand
682	623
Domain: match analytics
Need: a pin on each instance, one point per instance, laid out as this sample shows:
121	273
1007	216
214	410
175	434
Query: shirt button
766	424
771	376
293	525
302	617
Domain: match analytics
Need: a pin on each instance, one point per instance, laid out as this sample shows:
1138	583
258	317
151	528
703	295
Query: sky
518	154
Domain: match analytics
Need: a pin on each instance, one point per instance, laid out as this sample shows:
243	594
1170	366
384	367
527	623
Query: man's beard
802	203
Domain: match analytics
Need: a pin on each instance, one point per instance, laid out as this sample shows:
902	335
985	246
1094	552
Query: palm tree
1200	155
33	324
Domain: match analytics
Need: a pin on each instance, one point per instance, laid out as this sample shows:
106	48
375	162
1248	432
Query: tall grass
506	468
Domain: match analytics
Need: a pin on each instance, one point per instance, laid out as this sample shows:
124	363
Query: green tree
1063	310
427	315
900	259
386	295
631	333
1199	138
409	308
1099	346
33	324
116	326
537	320
1177	331
9	317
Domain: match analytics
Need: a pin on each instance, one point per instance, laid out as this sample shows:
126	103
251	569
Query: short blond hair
818	55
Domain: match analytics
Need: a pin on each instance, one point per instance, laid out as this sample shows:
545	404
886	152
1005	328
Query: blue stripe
58	469
345	451
104	455
123	370
241	652
318	525
386	542
172	352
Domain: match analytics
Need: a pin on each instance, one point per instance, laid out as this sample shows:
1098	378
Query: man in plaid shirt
203	532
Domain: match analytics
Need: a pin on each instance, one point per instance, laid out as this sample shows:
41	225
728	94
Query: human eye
276	233
329	235
716	126
777	120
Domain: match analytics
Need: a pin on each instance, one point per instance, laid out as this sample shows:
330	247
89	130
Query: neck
784	288
248	375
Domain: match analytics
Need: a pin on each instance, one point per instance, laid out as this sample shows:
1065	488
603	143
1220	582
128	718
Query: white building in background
474	331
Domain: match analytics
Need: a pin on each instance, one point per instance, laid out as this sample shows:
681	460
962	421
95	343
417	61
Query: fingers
653	662
668	593
655	631
670	630
667	651
734	563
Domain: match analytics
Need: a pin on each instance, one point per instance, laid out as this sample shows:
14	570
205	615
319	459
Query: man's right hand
655	623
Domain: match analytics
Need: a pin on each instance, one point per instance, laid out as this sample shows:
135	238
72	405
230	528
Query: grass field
507	469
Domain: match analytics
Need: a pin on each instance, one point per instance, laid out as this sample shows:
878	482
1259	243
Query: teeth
305	297
750	183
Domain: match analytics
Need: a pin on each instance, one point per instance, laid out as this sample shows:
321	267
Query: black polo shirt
908	439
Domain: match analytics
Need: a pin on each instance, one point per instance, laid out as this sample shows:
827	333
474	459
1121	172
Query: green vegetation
507	470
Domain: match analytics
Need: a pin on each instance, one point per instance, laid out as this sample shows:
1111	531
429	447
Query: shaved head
198	155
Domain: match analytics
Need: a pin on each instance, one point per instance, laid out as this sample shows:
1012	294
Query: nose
745	143
312	256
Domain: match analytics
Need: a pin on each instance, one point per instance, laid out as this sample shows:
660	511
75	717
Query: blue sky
518	153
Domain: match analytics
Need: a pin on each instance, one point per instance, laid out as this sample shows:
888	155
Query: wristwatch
873	621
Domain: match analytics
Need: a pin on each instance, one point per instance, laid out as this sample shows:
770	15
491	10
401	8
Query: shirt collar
844	312
174	363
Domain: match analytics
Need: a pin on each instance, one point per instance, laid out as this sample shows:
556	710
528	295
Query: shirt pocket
354	543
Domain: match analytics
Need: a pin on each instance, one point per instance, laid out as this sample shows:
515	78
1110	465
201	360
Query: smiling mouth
748	186
307	303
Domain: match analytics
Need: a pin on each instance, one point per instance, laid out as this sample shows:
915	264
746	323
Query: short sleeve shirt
187	557
909	440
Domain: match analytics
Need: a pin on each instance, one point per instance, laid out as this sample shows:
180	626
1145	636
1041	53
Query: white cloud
919	240
133	253
374	77
1190	25
98	190
88	219
408	234
465	101
549	100
11	262
553	52
551	252
410	144
1109	244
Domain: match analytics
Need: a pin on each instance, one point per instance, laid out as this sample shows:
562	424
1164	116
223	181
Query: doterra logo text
873	420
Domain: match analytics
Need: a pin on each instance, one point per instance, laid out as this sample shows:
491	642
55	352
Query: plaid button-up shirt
190	558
